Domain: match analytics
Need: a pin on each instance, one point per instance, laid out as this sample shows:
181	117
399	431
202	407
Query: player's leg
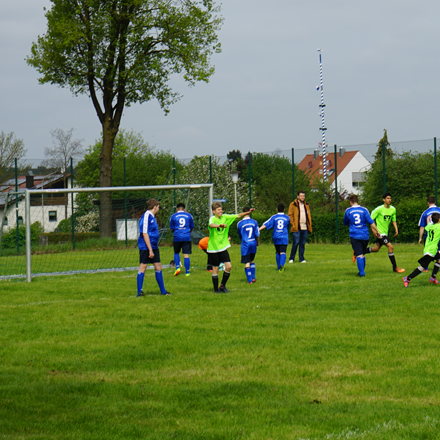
282	248
358	250
253	267
214	262
246	260
226	272
295	243
424	261
158	273
375	248
301	246
176	245
186	250
433	278
392	258
141	274
277	257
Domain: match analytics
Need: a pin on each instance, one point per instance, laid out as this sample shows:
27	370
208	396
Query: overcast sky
380	64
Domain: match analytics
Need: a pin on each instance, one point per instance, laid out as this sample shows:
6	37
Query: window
20	221
5	222
52	216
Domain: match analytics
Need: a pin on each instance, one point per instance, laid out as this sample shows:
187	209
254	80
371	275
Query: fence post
250	179
383	166
210	169
16	208
336	193
125	204
435	168
293	174
174	182
71	201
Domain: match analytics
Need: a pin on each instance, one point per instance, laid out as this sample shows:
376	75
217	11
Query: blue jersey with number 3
358	218
280	223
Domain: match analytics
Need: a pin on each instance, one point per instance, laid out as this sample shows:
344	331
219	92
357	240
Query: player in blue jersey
280	223
357	218
148	243
249	235
182	223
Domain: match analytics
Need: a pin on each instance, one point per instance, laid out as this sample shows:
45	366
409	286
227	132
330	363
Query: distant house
49	209
351	168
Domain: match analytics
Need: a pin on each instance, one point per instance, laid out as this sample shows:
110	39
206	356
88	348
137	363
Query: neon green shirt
383	217
432	239
218	237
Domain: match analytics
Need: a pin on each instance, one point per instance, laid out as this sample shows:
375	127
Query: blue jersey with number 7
248	233
358	218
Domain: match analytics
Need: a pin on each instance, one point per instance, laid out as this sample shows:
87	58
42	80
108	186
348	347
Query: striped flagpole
322	105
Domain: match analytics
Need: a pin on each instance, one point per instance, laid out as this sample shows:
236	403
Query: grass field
311	353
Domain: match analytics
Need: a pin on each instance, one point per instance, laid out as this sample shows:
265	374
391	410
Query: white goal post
29	192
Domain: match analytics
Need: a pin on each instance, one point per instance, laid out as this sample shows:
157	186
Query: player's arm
242	214
215	225
421	232
395	228
375	230
263	226
148	243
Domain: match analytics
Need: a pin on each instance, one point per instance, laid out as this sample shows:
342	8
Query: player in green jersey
384	215
218	244
430	251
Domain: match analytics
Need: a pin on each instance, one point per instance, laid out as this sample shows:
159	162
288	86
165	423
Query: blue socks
177	260
282	259
248	272
361	266
253	270
140	281
159	279
186	262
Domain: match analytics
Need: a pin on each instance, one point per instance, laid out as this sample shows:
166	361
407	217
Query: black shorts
145	259
383	240
184	246
280	248
359	246
216	258
426	259
247	258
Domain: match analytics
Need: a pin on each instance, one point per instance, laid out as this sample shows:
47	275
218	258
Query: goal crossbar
29	192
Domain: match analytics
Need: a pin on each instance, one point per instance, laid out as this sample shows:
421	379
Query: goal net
61	230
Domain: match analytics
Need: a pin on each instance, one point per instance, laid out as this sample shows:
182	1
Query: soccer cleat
405	281
425	270
281	269
254	280
360	276
434	280
399	270
140	294
290	261
223	289
303	261
187	274
166	294
177	272
354	258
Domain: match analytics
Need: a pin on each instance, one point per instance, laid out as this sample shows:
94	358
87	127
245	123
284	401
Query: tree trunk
105	180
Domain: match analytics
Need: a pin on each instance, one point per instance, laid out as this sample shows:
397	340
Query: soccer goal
73	244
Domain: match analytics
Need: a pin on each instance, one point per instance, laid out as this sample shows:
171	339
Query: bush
9	239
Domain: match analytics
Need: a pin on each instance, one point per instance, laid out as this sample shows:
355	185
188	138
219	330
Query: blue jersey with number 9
182	223
357	218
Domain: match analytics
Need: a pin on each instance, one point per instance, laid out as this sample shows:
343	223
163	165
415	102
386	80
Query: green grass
311	353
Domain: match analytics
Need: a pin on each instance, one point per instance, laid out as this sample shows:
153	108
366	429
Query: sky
380	67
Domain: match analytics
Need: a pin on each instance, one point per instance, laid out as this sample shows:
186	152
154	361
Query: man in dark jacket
301	221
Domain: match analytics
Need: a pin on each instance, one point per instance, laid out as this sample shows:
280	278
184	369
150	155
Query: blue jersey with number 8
280	223
358	218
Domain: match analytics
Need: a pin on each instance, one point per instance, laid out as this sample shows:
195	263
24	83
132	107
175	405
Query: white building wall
345	179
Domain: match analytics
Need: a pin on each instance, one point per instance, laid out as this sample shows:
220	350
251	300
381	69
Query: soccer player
182	223
432	207
384	215
357	218
430	251
249	236
148	242
280	223
218	244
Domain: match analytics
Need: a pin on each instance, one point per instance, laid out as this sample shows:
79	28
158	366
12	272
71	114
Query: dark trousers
299	240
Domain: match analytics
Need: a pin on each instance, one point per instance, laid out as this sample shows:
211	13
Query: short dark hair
431	200
280	207
246	209
354	198
387	194
300	192
180	205
152	203
435	217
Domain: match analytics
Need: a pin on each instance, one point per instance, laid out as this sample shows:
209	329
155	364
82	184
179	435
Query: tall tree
58	157
11	148
121	52
384	143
